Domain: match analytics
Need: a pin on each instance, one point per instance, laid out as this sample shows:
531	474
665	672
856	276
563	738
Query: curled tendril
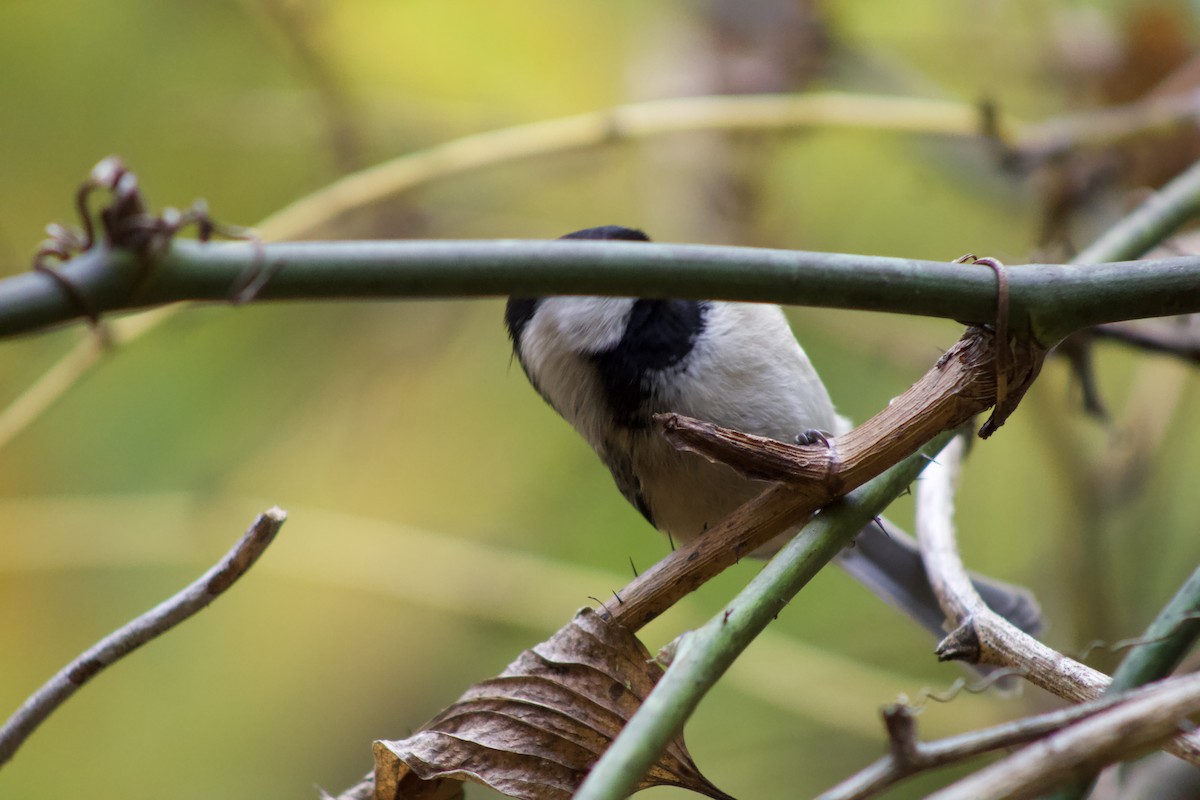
959	686
1127	644
125	223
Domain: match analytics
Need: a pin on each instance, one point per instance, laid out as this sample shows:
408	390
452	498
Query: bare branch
1127	730
150	625
909	756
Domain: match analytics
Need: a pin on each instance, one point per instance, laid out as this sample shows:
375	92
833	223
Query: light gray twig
982	636
908	756
155	622
1129	729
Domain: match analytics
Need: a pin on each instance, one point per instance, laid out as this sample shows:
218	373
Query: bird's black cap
520	309
609	232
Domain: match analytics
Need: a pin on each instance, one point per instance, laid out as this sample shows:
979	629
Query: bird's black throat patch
659	335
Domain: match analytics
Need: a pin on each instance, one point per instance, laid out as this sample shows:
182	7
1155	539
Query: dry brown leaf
535	730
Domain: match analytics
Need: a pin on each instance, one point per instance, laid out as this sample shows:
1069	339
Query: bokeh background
442	518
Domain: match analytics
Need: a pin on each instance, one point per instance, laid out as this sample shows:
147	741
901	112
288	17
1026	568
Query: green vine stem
706	653
1048	300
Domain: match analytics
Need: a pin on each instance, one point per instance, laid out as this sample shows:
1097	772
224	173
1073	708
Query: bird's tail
886	560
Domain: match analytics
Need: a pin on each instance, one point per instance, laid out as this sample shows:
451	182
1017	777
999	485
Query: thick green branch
1056	298
1150	223
706	653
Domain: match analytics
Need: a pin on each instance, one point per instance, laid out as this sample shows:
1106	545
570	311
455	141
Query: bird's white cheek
582	324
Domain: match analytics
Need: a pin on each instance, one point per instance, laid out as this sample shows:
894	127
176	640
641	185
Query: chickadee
608	364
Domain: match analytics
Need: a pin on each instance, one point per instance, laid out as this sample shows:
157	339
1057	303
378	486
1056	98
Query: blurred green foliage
374	422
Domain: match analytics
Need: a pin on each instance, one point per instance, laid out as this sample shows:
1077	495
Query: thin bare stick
150	625
909	756
983	636
1129	729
